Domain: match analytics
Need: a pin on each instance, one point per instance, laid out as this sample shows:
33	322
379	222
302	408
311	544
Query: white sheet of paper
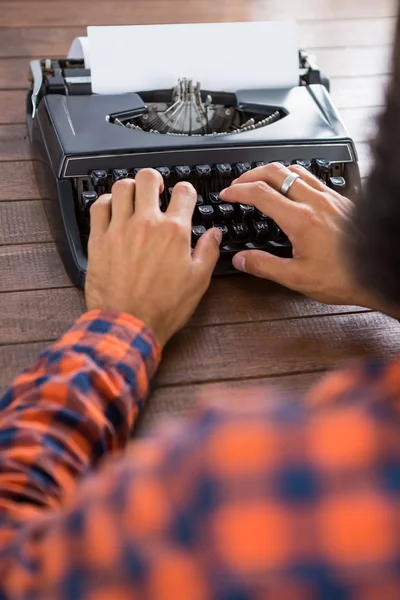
80	49
222	56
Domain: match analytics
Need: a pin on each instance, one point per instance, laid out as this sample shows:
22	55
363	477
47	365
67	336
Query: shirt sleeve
76	404
252	497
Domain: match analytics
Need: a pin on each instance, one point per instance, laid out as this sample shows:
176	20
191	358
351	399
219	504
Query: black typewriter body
82	143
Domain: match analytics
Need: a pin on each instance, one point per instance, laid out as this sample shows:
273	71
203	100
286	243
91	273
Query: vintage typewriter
82	143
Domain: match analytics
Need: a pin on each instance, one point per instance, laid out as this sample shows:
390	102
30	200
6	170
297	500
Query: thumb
206	253
265	265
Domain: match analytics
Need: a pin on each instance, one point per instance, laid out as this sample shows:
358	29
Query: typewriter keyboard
242	225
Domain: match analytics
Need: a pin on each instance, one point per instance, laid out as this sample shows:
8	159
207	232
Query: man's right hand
139	258
313	216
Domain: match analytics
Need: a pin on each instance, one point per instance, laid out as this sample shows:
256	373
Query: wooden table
245	330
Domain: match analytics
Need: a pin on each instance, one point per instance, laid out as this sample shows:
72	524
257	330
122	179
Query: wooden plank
358	92
46	42
275	348
14	143
361	122
12	106
14	73
237	352
17	181
23	222
327	33
79	14
31	267
14	359
17	13
181	400
22	314
233	299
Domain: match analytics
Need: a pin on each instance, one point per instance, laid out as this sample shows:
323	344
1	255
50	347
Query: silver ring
287	184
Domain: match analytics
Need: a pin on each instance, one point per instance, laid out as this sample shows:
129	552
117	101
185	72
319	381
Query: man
250	498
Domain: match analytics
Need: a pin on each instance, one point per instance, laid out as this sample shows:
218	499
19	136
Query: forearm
76	404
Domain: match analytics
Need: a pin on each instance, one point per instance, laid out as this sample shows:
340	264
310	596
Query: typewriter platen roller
82	143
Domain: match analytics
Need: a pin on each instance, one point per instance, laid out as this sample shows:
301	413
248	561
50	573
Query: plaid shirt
252	497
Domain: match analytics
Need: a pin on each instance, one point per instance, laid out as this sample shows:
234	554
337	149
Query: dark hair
373	236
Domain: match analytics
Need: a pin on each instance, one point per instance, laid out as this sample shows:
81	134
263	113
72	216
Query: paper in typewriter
221	56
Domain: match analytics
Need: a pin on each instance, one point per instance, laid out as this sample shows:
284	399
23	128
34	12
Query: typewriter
83	142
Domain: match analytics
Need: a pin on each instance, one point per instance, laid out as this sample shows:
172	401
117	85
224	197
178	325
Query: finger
206	253
122	203
308	177
100	215
149	187
267	200
183	202
265	265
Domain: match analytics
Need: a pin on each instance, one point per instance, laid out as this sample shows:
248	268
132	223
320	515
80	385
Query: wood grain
23	222
233	299
17	181
12	107
22	13
14	143
276	348
180	400
31	266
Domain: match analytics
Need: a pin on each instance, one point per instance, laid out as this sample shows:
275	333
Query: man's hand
313	217
139	259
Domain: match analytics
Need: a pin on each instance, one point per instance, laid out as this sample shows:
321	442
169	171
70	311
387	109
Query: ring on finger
288	182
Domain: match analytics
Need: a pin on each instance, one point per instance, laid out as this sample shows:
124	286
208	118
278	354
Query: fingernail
218	235
234	181
239	262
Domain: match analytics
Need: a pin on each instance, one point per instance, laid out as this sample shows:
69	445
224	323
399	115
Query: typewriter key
182	172
262	229
87	199
118	174
197	232
224	230
203	171
99	180
226	210
200	200
338	184
242	168
164	172
214	198
206	211
323	165
306	164
224	169
240	231
246	209
259	164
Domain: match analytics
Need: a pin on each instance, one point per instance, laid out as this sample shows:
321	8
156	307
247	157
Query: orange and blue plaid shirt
252	497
